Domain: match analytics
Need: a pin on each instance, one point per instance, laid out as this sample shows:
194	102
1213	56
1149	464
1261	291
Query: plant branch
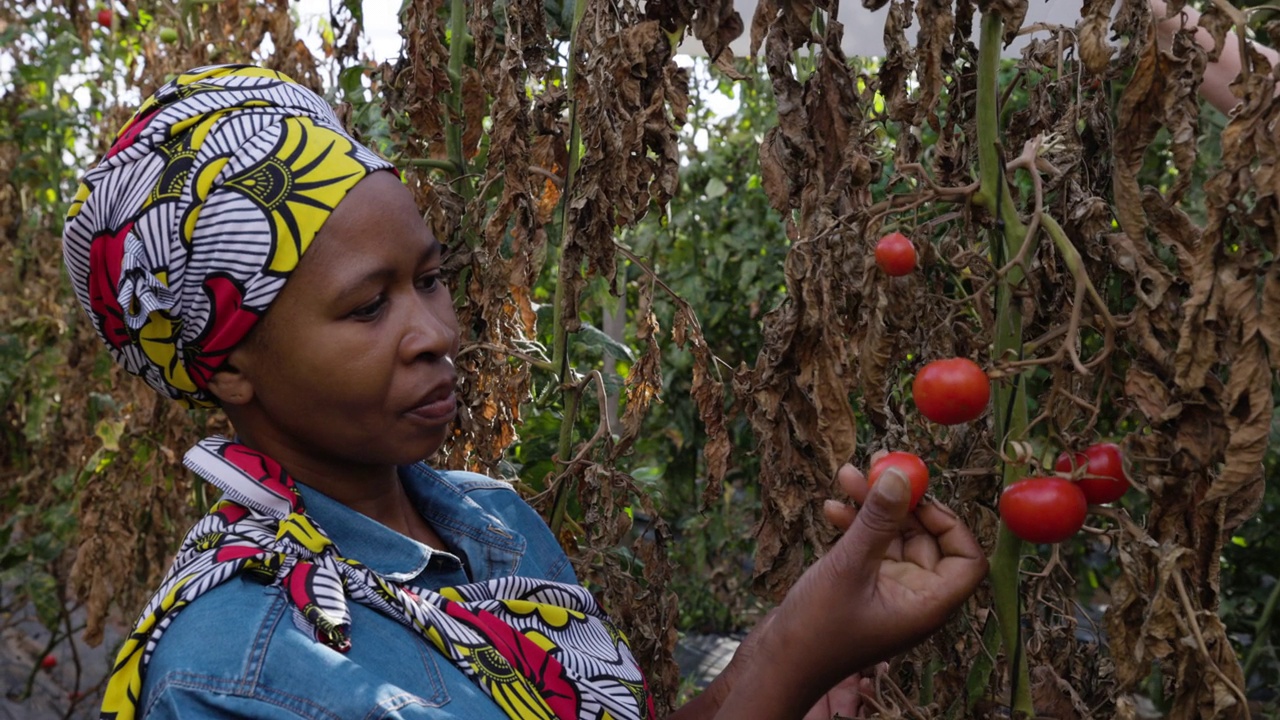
561	483
432	164
994	196
1261	632
566	271
536	362
457	60
1189	611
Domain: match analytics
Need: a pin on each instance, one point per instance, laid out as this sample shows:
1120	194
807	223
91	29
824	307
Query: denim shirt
236	653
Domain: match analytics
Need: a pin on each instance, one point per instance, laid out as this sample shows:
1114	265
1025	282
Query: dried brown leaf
1269	319
1095	51
1150	394
708	395
717	24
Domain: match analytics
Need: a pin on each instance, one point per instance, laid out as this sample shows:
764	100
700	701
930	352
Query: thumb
879	520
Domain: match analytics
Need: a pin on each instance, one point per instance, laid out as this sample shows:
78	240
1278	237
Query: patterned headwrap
179	240
176	244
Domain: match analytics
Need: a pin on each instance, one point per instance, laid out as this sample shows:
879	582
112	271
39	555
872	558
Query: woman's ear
230	385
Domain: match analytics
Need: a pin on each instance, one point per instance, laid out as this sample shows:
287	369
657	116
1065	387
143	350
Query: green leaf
594	338
356	8
43	590
109	432
715	188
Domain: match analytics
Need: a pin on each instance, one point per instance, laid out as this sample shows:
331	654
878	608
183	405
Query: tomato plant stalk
559	333
1011	415
453	128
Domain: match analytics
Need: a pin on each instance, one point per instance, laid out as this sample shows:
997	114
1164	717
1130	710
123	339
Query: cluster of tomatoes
1045	509
1051	509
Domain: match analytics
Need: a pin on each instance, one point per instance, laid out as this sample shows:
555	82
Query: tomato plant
1043	509
951	391
1099	471
895	254
909	465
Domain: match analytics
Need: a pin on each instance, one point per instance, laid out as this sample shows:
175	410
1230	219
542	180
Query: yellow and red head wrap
181	237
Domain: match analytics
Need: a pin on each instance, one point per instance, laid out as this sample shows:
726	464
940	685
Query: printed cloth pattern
541	650
184	233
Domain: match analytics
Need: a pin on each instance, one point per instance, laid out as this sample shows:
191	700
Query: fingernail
832	505
893	485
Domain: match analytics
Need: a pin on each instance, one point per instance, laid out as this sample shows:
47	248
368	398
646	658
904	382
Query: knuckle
877	519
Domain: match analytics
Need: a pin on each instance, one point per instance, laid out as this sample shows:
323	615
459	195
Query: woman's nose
432	331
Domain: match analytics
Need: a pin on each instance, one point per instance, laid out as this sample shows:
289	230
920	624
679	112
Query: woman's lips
437	412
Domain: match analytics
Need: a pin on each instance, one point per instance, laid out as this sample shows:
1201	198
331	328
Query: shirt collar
458	520
394	556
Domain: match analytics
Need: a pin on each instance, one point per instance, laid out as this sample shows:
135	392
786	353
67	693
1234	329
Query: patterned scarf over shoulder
539	649
176	244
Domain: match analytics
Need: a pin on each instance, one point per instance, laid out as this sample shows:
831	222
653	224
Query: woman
236	248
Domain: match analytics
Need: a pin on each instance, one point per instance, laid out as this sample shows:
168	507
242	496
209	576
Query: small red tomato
48	662
895	254
1043	509
104	18
909	465
1099	471
951	391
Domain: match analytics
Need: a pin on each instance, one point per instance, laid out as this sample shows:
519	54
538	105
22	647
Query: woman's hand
888	582
845	700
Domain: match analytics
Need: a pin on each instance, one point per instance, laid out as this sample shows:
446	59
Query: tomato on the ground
895	254
1043	509
1099	471
951	391
909	465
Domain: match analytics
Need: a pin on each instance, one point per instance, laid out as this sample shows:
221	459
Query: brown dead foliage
116	437
1194	368
816	166
628	100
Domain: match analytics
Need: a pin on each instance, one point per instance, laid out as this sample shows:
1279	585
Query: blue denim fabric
236	653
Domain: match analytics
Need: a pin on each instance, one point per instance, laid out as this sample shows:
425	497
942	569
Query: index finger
954	538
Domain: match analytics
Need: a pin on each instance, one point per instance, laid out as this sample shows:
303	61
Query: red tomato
906	463
1099	471
951	391
48	662
104	18
895	254
1043	509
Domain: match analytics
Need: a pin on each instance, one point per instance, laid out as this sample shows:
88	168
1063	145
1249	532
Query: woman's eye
429	281
370	310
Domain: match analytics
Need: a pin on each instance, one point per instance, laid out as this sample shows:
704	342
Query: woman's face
353	363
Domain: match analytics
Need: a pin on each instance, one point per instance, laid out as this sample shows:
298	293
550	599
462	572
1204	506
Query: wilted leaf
1095	51
1151	396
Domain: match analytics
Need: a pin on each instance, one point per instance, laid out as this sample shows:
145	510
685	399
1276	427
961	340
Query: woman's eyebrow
382	275
433	248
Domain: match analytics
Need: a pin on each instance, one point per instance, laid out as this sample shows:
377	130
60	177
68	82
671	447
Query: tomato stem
559	331
1011	415
455	117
